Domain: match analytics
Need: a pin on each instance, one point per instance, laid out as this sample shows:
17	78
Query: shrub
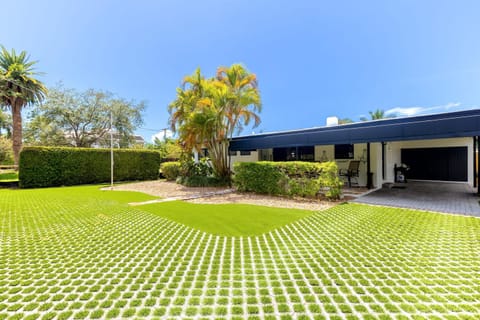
203	181
295	178
171	170
53	166
199	174
259	177
199	169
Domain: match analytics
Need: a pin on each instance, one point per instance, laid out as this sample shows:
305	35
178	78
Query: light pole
111	151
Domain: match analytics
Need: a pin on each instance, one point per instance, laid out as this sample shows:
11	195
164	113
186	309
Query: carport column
475	164
369	173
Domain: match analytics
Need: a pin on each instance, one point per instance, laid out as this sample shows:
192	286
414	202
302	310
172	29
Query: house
438	147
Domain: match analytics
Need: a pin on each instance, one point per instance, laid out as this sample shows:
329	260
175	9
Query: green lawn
226	219
83	253
8	176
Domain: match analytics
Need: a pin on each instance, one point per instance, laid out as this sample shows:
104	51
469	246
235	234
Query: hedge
304	179
52	166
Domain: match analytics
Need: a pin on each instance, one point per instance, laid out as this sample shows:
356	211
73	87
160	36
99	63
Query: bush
171	170
199	169
203	181
296	178
259	177
52	166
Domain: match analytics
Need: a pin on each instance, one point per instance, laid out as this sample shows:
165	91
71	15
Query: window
344	151
306	153
303	153
245	153
232	153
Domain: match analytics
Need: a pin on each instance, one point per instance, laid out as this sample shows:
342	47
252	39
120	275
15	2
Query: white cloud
161	135
405	111
411	111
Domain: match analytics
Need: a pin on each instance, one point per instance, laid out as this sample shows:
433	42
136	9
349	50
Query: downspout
383	160
369	173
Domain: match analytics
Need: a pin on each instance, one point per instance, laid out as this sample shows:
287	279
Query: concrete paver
458	198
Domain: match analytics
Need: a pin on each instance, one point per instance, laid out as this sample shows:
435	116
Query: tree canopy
82	119
207	112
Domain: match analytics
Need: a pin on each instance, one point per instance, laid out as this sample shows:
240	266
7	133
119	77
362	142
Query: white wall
238	158
393	152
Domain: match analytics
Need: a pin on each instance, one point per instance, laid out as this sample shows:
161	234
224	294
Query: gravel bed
167	189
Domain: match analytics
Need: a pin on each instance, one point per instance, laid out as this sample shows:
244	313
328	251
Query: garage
442	164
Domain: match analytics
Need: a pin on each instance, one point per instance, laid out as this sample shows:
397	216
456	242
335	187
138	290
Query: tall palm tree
244	103
18	88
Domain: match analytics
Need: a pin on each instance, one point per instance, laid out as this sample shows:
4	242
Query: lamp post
111	151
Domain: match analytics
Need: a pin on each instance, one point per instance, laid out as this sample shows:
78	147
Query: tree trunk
17	129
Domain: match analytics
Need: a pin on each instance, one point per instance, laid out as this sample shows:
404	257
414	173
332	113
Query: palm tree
207	112
244	103
18	88
377	115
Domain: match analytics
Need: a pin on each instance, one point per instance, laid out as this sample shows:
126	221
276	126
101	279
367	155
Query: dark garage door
447	164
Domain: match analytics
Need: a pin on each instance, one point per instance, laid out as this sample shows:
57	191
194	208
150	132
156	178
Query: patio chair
351	172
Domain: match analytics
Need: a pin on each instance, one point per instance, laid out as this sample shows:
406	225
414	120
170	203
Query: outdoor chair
351	172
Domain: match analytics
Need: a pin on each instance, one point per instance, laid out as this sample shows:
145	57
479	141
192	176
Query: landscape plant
6	155
294	178
83	119
55	166
18	89
207	112
171	170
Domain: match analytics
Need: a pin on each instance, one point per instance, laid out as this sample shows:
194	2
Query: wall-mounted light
324	157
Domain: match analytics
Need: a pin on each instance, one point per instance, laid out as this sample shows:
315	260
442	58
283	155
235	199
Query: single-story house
438	147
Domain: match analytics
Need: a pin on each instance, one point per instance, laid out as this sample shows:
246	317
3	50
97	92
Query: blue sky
313	59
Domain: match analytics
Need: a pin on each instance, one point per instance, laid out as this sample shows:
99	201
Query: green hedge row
304	179
52	166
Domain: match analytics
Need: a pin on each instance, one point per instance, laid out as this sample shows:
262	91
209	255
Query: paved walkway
458	198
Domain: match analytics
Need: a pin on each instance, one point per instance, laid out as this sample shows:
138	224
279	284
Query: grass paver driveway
84	253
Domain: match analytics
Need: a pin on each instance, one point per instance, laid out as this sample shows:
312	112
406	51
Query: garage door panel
446	164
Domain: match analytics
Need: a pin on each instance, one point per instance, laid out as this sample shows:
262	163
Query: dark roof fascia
436	126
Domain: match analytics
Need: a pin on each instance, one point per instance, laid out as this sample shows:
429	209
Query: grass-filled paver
82	253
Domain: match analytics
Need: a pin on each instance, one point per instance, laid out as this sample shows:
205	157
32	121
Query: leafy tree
207	112
6	155
18	88
84	117
39	131
168	148
5	124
